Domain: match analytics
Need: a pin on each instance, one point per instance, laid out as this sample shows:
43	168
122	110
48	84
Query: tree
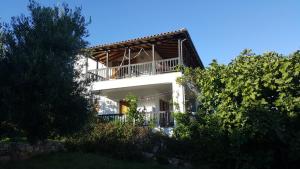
1	42
3	71
40	89
250	108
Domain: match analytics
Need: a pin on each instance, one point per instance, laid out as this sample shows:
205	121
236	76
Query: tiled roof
98	51
145	38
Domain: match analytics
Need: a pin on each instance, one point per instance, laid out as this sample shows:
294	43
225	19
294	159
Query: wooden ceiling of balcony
166	44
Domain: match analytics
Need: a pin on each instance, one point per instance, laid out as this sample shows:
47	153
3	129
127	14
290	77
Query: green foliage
1	42
134	116
122	140
249	109
42	91
9	130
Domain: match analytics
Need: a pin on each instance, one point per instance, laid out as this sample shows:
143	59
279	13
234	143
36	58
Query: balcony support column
178	98
129	68
107	77
153	60
86	67
97	67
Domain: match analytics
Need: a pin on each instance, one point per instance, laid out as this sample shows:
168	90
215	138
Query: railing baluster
167	65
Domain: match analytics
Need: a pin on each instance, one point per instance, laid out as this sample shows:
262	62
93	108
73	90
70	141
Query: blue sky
220	29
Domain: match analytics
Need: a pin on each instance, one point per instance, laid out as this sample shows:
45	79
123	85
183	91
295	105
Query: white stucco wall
148	97
168	78
92	64
109	106
148	105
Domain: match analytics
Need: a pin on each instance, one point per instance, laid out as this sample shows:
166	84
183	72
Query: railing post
153	60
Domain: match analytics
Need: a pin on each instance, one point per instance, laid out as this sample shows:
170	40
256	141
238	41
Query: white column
107	73
97	67
86	67
178	97
129	59
153	60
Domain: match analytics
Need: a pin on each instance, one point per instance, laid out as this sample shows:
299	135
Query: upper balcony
134	70
151	55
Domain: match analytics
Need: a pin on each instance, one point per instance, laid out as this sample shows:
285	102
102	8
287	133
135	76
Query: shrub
135	117
249	112
9	130
119	139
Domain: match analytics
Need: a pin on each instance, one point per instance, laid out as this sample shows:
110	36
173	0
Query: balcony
134	70
155	119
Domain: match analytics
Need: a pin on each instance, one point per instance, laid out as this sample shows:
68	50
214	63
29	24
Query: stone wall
19	151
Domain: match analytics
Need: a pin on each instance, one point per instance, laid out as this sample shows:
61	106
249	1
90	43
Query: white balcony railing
156	119
139	69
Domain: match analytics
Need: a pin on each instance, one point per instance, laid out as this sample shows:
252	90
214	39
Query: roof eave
194	49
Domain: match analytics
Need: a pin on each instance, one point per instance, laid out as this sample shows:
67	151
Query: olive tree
40	91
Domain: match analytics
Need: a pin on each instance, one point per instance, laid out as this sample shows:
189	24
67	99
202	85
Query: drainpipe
179	42
181	51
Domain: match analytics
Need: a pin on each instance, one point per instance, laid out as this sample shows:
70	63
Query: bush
9	130
135	117
249	114
119	139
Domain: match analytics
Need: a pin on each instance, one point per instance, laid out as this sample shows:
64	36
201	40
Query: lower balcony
154	104
154	119
134	70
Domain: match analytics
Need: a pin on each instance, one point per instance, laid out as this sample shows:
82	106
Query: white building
145	67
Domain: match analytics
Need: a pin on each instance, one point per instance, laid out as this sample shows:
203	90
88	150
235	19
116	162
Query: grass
79	161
